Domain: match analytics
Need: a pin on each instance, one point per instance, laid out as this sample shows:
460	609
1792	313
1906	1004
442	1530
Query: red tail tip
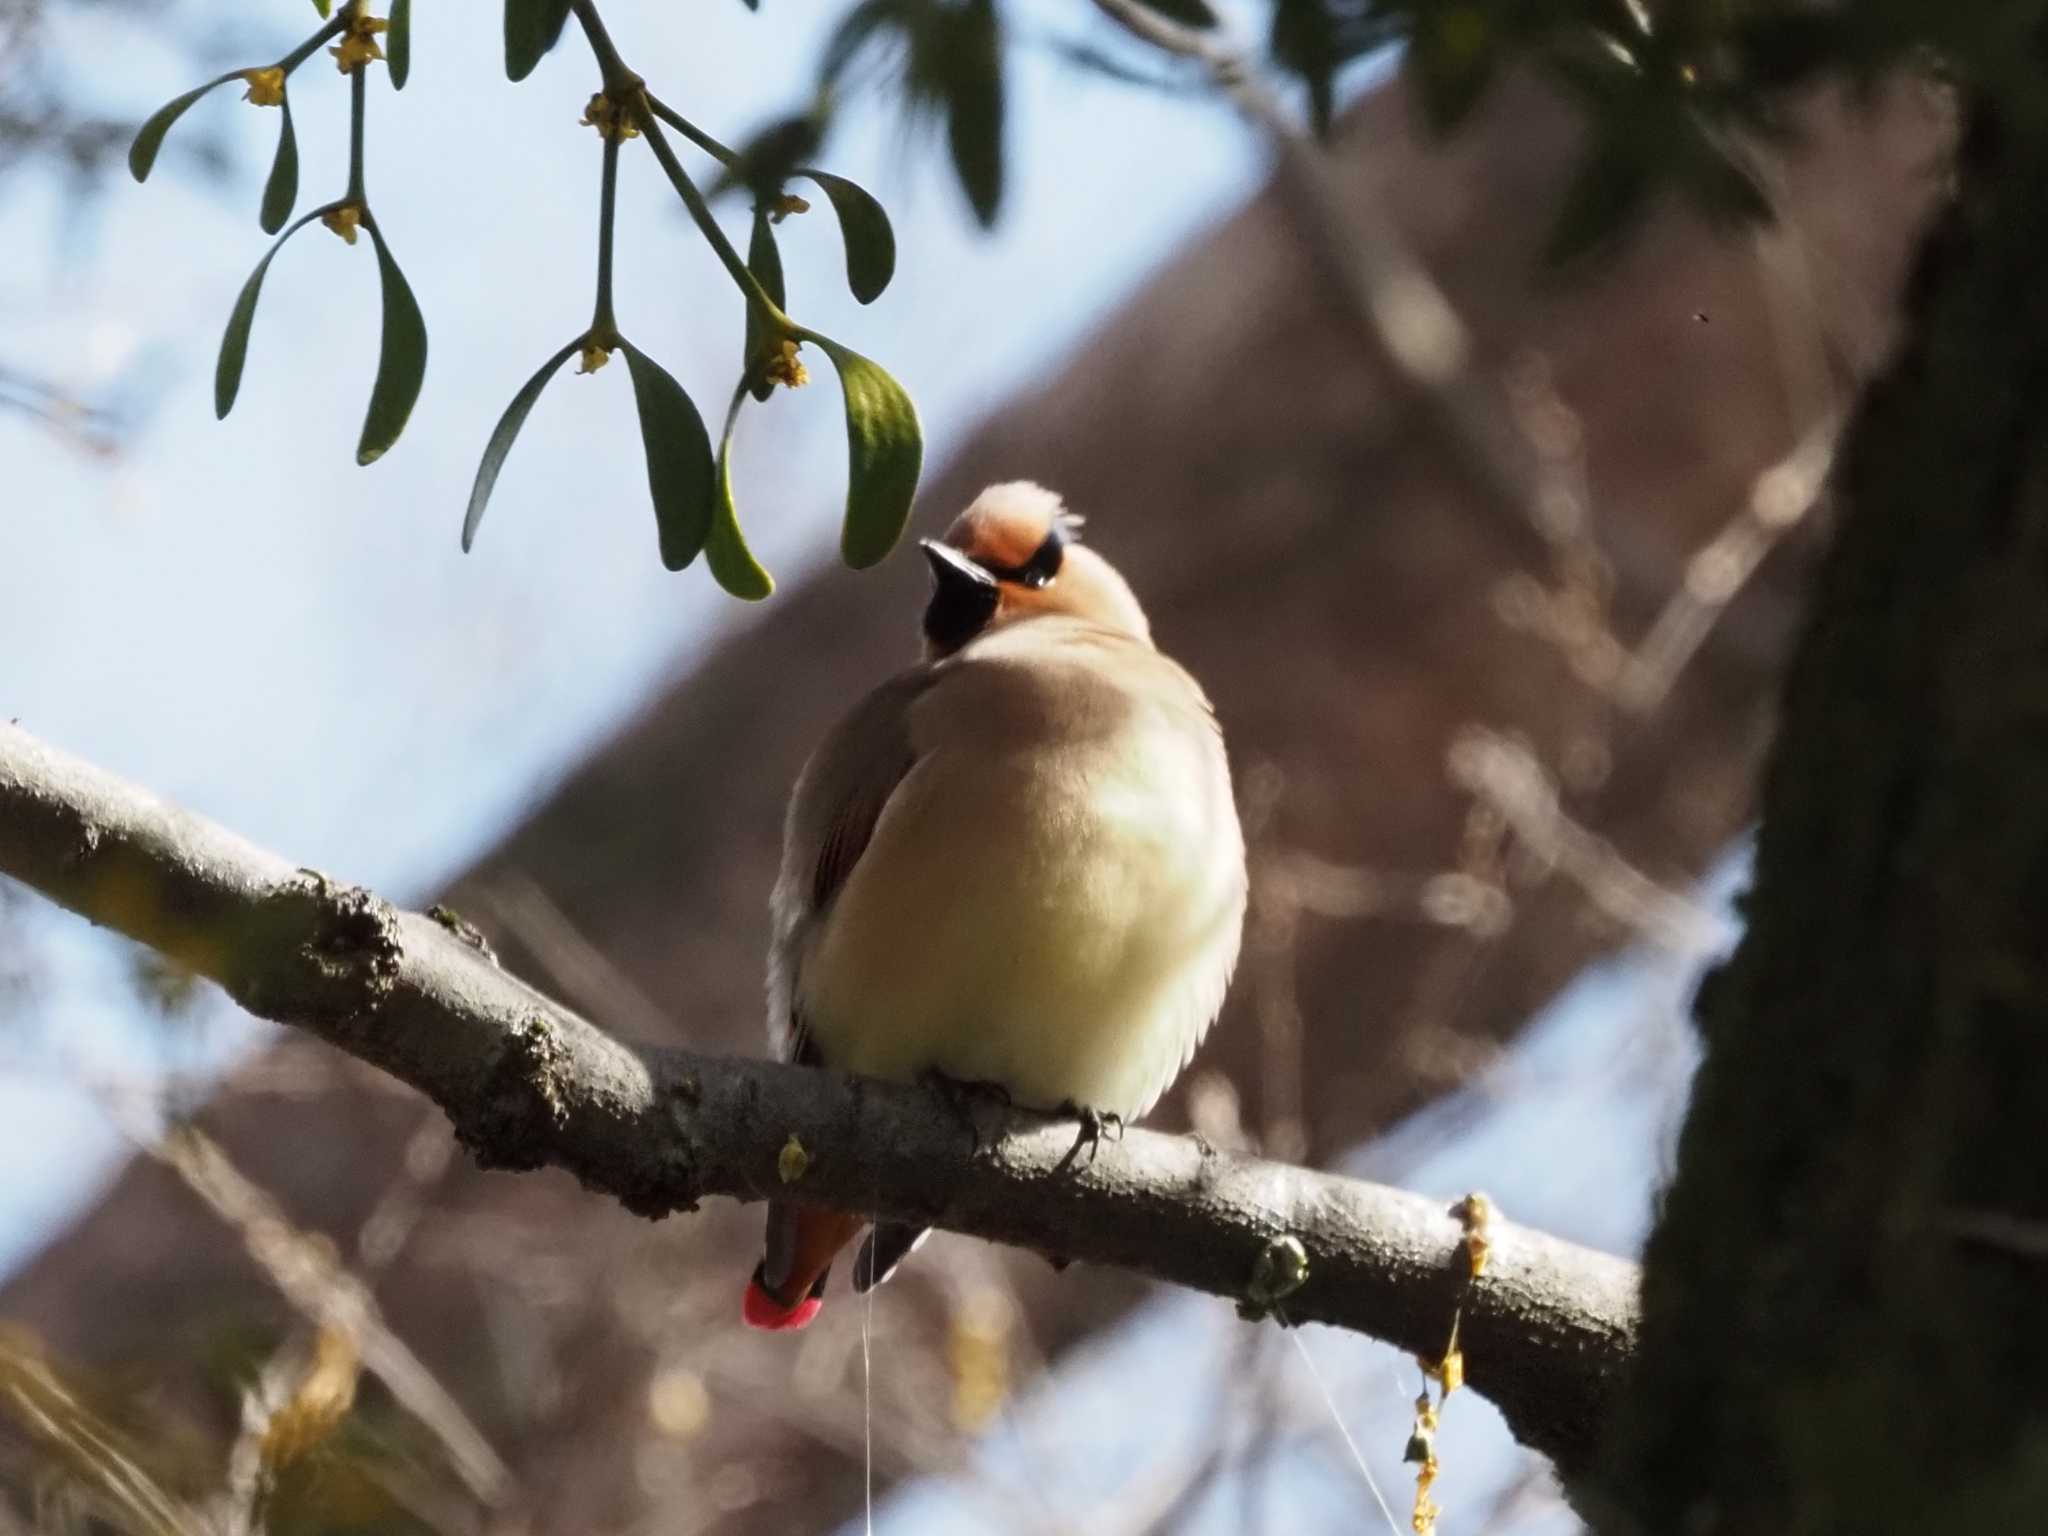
760	1310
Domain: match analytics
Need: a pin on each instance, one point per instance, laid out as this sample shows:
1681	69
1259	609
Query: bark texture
1846	1306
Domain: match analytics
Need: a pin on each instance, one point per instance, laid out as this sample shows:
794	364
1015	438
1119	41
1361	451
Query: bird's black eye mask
966	593
1043	565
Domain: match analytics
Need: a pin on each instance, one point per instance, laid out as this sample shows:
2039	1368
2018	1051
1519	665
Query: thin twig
1383	288
1506	776
585	975
307	1275
1783	496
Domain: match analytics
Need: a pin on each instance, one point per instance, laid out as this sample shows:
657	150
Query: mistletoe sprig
690	485
679	474
402	355
691	489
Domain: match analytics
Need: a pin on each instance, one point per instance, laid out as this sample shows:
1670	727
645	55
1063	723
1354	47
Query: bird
1016	865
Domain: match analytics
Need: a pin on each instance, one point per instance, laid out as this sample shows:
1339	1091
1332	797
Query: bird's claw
1093	1122
960	1096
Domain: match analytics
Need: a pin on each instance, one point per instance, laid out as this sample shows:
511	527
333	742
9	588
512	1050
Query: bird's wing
886	1247
832	814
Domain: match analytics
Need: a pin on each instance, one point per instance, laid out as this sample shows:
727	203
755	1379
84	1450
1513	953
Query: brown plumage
1017	863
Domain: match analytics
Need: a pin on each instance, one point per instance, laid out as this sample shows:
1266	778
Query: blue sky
237	616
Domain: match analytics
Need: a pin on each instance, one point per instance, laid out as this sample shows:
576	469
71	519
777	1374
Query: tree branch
1546	1329
1376	280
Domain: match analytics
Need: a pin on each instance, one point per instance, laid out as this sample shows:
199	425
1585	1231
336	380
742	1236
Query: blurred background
1488	565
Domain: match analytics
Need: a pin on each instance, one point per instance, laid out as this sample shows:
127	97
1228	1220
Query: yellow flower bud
978	1352
266	86
1451	1371
323	1399
593	357
785	368
611	122
792	1161
358	45
344	220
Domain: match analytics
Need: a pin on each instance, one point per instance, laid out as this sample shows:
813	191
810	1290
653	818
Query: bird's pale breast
1051	899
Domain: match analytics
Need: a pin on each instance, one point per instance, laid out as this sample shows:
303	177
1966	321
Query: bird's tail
788	1285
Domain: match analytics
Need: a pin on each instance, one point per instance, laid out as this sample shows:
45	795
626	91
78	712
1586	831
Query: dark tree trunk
1846	1308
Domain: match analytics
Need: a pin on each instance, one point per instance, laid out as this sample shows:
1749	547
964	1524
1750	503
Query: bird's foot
1093	1122
962	1096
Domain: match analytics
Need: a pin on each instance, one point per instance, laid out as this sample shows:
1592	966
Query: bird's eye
1043	565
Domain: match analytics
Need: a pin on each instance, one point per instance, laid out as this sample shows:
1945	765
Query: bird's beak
964	598
950	567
